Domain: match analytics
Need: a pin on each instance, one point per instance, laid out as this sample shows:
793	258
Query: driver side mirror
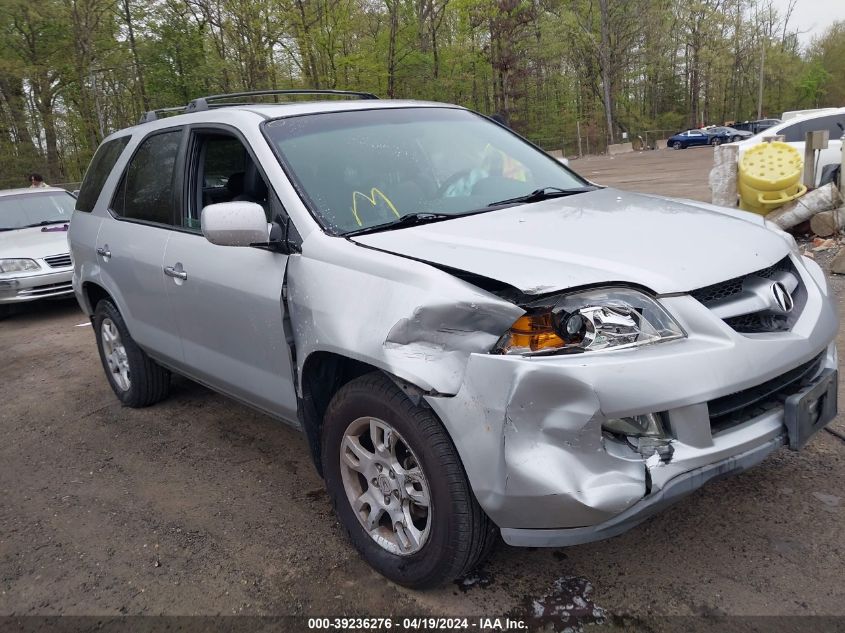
234	224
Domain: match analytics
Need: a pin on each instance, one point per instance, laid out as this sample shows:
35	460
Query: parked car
420	291
794	132
755	127
34	255
689	138
723	134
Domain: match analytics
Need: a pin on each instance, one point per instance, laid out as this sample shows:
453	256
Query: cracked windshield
369	168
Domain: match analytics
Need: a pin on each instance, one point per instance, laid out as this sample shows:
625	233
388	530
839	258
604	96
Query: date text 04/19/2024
417	624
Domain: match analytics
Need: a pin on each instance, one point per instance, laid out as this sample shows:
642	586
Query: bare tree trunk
393	10
604	60
139	73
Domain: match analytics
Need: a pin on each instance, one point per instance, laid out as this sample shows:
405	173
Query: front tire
398	487
716	141
136	379
677	145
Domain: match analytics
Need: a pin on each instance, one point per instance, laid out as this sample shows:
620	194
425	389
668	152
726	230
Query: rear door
131	243
85	226
228	300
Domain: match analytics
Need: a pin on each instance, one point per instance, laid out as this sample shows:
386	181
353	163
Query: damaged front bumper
529	430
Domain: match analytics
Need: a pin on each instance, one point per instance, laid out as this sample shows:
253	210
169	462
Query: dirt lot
202	506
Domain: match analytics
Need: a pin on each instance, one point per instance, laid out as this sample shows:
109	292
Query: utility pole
760	93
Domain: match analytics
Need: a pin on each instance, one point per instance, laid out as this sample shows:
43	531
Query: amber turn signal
534	332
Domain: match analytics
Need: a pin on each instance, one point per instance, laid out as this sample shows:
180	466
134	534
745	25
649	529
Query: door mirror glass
234	224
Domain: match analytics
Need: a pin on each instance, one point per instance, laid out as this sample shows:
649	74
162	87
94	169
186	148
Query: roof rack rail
153	115
202	103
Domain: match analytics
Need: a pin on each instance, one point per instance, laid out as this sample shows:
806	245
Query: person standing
36	181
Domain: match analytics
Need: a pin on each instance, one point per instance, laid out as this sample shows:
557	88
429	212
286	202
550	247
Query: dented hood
596	237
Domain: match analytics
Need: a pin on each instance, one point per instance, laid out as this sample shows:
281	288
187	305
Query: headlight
17	265
589	320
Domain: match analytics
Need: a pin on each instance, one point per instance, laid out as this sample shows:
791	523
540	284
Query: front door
227	300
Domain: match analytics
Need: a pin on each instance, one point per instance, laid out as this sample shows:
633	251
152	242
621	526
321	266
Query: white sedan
34	255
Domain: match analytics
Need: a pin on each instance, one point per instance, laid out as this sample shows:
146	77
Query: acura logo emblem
783	299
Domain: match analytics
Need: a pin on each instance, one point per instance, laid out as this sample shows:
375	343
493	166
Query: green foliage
72	71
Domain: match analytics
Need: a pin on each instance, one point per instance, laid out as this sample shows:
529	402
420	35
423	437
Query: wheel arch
93	294
323	375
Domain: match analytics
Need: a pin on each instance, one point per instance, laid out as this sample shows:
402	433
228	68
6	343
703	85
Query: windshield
366	168
35	209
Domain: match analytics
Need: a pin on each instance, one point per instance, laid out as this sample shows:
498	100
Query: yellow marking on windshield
372	200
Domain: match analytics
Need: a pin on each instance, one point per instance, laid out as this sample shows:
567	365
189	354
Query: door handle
170	271
104	251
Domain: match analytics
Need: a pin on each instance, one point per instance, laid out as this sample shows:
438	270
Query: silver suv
474	339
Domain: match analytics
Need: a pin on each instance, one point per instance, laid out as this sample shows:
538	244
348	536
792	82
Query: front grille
724	289
757	323
58	261
736	408
727	297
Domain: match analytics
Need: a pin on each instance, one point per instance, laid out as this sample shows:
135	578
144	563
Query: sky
812	17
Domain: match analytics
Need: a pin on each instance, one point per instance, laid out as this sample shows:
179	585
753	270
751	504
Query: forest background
568	74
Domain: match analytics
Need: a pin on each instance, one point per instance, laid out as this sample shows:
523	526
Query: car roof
31	190
269	111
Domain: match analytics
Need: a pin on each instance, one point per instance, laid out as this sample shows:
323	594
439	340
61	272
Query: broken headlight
589	320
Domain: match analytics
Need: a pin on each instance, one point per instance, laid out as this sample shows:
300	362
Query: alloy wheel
115	354
386	486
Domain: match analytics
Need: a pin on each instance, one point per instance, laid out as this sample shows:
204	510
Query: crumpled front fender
408	318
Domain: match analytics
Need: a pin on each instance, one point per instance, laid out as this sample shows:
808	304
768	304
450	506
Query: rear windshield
35	209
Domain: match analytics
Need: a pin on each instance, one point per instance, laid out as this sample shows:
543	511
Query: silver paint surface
528	430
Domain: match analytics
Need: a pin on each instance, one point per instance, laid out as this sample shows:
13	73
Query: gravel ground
200	506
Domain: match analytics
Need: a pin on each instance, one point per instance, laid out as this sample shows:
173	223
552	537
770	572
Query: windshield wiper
45	223
543	193
409	219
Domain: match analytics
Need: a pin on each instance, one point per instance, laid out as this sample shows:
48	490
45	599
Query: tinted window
99	169
828	123
146	191
793	133
35	209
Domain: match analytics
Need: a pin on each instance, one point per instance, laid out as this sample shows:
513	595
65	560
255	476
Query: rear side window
99	169
146	191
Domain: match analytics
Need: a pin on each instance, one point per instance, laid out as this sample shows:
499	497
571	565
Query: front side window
365	168
35	209
146	191
223	171
95	177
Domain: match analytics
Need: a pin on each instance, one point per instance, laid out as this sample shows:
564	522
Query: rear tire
136	379
452	533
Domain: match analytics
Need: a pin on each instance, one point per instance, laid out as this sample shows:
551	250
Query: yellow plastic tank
770	176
